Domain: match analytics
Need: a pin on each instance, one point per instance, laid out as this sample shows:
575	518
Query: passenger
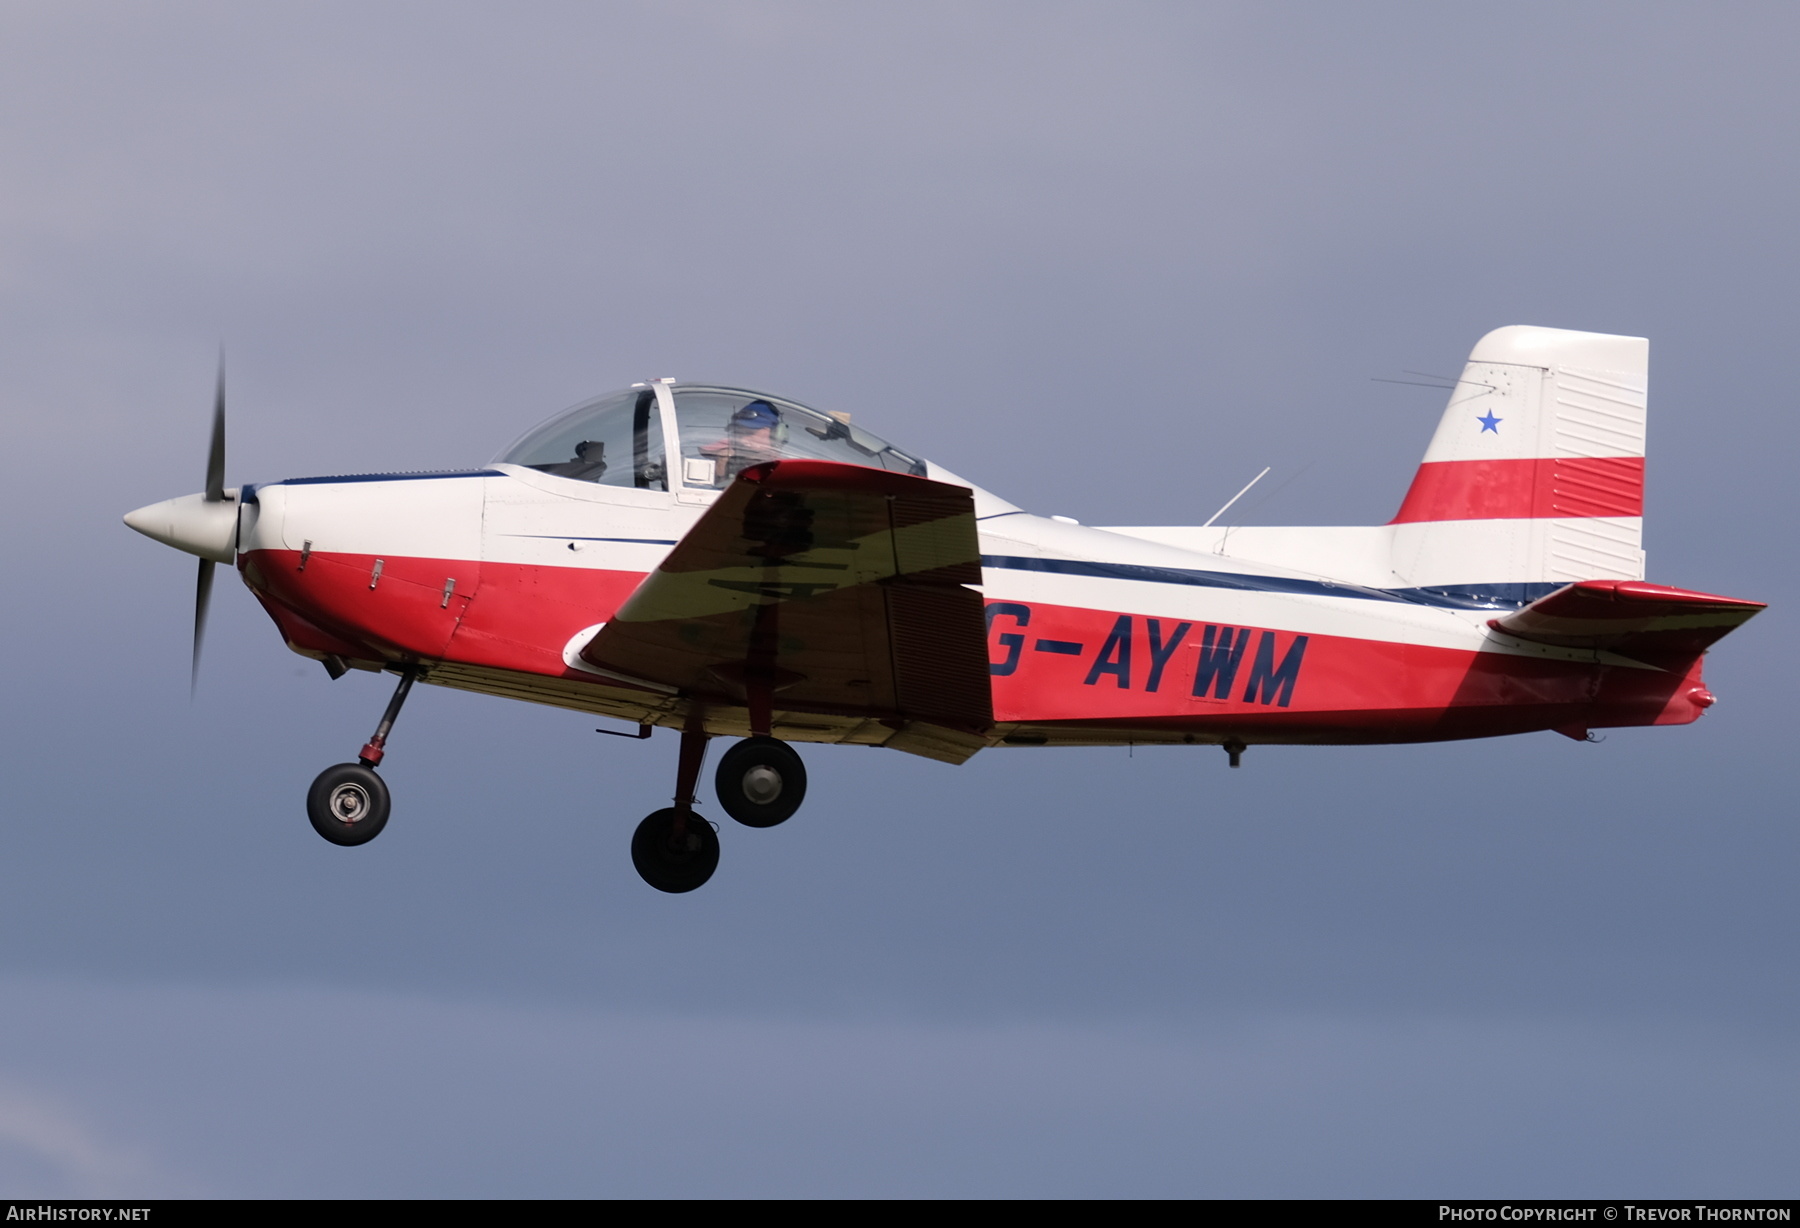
753	435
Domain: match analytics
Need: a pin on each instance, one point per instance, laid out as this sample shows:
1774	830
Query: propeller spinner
204	524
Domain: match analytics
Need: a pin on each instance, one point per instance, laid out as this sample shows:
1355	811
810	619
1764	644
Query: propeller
215	493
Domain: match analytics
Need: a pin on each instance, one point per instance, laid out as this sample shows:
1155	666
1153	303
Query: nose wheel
761	782
348	803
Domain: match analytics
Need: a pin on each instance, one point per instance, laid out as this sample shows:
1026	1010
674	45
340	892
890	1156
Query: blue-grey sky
1107	260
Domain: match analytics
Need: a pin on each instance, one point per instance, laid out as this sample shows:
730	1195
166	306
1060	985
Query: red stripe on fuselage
1060	664
506	616
1068	665
1543	487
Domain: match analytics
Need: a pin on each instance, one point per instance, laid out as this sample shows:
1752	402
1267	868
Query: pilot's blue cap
756	416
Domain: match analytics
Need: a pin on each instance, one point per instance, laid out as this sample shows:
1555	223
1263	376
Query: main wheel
348	804
670	863
761	782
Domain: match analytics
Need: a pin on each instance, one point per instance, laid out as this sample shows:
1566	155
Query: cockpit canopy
622	439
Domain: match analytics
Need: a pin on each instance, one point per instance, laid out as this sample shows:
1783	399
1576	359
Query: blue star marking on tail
1490	423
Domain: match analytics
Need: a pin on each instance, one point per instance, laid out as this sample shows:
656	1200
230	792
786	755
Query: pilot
752	435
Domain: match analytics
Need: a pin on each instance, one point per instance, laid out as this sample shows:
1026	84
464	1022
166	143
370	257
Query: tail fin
1535	477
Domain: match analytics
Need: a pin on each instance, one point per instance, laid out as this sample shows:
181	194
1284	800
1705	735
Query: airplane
728	563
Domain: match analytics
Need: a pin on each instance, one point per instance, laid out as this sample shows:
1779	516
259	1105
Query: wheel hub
349	803
762	784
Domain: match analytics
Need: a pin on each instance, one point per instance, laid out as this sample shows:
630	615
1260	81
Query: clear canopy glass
725	430
616	440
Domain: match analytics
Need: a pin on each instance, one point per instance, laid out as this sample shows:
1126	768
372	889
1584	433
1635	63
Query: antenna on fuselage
1240	494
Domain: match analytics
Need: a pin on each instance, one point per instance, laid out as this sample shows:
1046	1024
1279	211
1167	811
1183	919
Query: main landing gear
674	849
760	782
348	803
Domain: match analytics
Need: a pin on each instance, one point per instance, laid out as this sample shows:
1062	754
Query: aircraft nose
190	523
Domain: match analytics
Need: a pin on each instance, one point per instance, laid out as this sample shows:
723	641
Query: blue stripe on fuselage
391	477
1448	596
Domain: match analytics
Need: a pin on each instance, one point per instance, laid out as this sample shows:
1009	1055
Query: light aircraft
724	562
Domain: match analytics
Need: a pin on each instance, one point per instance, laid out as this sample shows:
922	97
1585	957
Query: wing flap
818	586
930	741
1629	617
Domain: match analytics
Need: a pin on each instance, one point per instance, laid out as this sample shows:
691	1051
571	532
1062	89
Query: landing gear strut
674	849
348	803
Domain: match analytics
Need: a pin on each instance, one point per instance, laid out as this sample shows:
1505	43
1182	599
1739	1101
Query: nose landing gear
348	803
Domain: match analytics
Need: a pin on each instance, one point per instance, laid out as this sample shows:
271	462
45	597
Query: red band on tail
1540	488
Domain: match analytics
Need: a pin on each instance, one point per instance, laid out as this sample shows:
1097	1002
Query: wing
821	587
1629	617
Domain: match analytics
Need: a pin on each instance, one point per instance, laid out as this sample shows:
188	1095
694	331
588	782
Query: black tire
348	804
674	865
760	782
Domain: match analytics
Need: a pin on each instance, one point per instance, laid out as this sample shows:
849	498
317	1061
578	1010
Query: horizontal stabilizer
1630	617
